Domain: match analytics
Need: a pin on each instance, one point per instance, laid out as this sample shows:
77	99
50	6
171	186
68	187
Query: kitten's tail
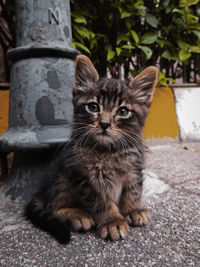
48	222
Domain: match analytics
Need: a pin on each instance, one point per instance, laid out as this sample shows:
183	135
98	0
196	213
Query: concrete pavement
172	195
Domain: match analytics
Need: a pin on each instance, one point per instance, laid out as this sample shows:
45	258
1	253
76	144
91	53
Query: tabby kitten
98	177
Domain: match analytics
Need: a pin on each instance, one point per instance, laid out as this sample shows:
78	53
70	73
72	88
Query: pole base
29	170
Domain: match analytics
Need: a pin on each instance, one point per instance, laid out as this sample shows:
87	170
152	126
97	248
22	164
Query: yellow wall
4	105
161	121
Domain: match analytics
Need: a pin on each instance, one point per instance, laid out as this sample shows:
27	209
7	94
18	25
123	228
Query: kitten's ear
143	85
85	74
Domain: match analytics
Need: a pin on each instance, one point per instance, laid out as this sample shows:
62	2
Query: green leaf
165	29
162	79
163	83
152	20
140	12
101	35
186	3
124	13
83	32
80	20
161	43
168	55
149	38
179	22
92	34
81	46
108	47
93	43
73	44
161	75
128	46
148	52
183	55
122	37
176	10
195	49
129	24
139	5
126	53
197	33
171	80
198	10
191	19
110	54
164	3
184	46
195	27
118	50
135	36
168	10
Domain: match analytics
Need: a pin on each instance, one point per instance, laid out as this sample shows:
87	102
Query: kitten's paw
82	221
139	217
115	230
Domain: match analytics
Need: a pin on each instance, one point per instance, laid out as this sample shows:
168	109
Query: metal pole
41	85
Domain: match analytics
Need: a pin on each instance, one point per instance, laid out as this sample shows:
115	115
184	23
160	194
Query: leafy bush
127	35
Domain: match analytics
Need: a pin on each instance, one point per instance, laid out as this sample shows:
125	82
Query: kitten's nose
104	125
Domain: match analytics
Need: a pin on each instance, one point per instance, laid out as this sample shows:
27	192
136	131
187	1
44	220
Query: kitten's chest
107	178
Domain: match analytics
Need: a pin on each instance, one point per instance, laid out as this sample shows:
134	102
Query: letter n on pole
53	16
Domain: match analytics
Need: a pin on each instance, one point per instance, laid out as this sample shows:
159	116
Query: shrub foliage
125	36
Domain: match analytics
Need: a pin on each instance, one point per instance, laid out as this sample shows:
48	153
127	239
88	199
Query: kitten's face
110	114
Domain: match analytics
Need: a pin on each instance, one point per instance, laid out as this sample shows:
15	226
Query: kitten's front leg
130	205
111	223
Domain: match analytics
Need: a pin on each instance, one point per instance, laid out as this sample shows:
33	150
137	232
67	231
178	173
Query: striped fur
97	181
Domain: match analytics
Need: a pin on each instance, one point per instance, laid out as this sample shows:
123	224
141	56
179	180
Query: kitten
98	177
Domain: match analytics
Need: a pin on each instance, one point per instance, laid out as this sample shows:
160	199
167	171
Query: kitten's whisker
65	131
80	140
109	147
126	148
138	136
78	132
133	141
138	166
119	139
93	126
86	137
121	145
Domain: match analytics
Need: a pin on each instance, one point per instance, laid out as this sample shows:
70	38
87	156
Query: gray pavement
172	195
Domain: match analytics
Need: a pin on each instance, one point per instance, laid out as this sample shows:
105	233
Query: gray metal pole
41	85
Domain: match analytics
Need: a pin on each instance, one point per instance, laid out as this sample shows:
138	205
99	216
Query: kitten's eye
93	107
123	112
